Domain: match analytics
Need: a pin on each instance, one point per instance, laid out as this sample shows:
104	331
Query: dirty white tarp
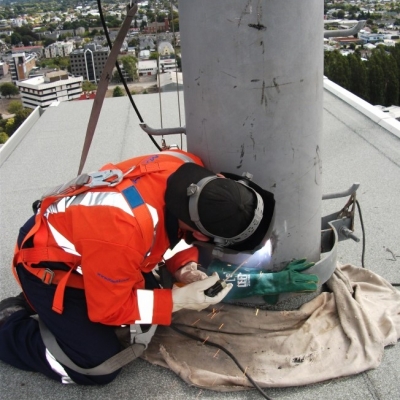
339	333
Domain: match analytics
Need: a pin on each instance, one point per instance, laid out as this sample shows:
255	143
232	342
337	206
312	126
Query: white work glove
192	296
189	273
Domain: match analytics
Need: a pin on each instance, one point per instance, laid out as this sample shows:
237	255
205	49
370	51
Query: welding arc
233	358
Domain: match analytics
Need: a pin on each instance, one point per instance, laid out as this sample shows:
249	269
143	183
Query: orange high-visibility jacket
114	246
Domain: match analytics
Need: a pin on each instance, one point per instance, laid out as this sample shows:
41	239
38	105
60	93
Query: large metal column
253	82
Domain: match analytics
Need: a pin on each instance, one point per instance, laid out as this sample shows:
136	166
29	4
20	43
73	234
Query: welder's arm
192	296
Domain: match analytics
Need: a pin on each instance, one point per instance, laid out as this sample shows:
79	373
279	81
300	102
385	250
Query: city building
53	86
89	62
371	37
3	69
20	66
60	49
154	27
147	67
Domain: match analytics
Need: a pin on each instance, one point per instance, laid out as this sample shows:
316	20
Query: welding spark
215	355
195	322
244	373
257	311
205	340
214	314
221	326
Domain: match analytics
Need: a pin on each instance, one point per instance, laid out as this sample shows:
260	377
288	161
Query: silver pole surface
253	83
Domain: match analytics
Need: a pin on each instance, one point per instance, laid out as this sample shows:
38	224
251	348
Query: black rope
363	233
103	23
208	343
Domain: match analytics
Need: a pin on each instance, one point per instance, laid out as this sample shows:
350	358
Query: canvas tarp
341	332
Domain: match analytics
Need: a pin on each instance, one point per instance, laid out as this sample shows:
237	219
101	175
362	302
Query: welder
85	258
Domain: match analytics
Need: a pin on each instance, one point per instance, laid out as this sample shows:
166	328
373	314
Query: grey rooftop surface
356	148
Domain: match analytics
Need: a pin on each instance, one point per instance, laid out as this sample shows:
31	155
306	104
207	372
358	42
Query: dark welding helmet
232	210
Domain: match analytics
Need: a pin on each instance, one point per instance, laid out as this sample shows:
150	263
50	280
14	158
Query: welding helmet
232	210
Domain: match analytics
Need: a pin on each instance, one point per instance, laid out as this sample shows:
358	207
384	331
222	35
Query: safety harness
109	176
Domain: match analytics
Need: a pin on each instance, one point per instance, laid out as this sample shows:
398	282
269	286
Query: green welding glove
249	282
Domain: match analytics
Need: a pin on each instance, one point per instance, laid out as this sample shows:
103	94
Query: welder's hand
189	273
192	296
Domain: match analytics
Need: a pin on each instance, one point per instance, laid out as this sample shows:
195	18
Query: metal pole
253	83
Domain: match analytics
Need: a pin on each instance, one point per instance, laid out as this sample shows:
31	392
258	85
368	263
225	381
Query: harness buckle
138	336
109	177
48	276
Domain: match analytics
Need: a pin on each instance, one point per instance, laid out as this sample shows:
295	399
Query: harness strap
107	367
35	255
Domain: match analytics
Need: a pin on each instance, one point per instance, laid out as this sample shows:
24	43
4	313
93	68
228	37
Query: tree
20	117
88	86
28	40
16	38
376	81
129	63
154	55
9	128
337	68
8	89
3	137
118	92
358	76
48	41
14	107
116	77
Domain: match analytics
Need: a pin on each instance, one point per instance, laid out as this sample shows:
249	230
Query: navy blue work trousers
86	343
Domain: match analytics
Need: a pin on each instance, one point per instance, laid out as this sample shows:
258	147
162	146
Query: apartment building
60	49
53	86
89	62
20	66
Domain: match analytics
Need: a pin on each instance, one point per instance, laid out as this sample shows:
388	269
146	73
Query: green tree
116	78
376	81
47	42
8	89
391	81
154	55
14	107
130	66
28	40
20	117
358	76
88	86
3	137
337	68
9	127
117	92
395	52
16	38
